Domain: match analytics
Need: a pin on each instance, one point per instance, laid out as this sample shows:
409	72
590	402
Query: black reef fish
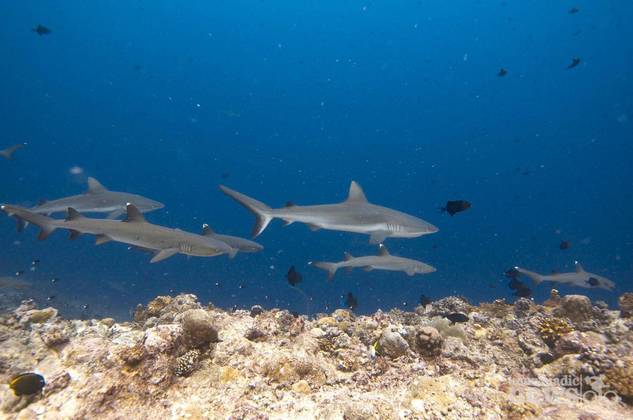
27	384
565	245
574	62
457	317
350	301
502	72
293	276
456	206
41	30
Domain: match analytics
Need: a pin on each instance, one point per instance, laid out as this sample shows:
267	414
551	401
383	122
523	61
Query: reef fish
579	278
41	30
355	214
293	276
502	72
383	261
350	301
456	206
135	231
98	199
574	62
27	384
239	244
9	151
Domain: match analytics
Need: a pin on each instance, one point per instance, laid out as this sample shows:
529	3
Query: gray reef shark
135	231
355	214
579	278
9	151
383	261
98	199
234	242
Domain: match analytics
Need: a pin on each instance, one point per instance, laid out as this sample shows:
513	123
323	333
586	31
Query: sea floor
567	359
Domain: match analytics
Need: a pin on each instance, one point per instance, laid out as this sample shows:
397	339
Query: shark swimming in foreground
383	261
355	214
234	242
579	278
135	231
98	199
9	151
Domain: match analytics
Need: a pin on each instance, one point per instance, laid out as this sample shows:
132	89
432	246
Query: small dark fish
424	300
84	306
27	384
35	262
41	30
520	289
574	62
456	206
19	273
574	10
457	317
138	67
593	282
54	280
50	298
225	175
350	301
293	276
512	273
502	72
565	245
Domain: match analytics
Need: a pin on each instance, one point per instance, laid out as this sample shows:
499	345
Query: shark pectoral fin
74	234
232	253
164	254
368	268
378	237
20	224
288	222
115	214
102	239
410	272
313	228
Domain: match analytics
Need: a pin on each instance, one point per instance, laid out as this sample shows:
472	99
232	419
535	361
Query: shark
383	261
9	151
579	278
356	214
237	243
98	199
135	230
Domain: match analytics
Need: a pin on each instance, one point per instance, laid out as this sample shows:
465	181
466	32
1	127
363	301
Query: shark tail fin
536	278
262	212
8	152
23	216
329	267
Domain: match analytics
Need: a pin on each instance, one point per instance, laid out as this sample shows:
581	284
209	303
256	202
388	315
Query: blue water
291	101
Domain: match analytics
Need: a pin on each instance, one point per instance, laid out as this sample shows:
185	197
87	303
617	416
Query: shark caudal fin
536	278
262	212
327	266
46	224
9	151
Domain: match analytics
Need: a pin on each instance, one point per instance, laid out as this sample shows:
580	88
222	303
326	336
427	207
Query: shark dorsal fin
206	230
347	256
95	187
134	215
356	194
72	214
579	268
290	204
383	251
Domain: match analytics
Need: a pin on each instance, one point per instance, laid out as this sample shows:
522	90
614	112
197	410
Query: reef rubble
570	359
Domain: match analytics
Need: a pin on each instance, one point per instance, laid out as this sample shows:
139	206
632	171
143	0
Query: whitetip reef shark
383	261
135	231
98	199
355	214
9	151
579	278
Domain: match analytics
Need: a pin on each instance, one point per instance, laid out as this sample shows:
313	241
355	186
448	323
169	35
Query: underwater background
293	100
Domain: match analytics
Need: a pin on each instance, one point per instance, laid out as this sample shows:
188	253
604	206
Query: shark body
9	151
235	242
578	278
355	214
383	261
135	231
98	199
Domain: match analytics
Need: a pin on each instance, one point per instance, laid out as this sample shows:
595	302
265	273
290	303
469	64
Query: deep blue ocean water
293	100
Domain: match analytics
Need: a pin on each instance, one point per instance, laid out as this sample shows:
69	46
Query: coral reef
178	359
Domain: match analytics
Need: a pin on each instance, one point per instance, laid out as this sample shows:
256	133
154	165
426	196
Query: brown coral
133	355
625	302
428	341
620	378
551	329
